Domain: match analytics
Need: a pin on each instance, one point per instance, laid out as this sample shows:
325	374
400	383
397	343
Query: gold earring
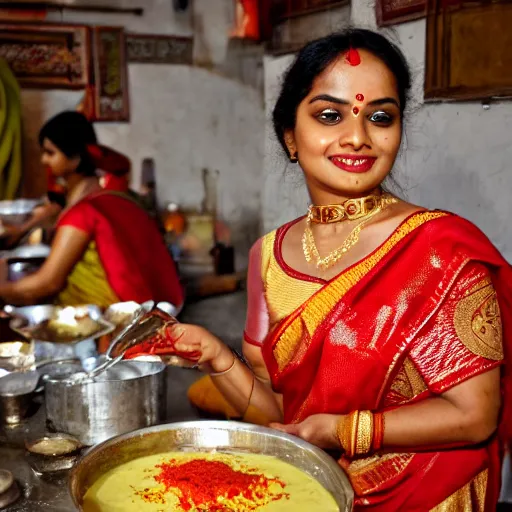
295	158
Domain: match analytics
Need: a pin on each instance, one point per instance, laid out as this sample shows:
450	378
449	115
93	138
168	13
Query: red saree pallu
419	315
127	255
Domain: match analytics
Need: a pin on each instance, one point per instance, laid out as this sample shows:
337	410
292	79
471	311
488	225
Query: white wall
186	118
456	156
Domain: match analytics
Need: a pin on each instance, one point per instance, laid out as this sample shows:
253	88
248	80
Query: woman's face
348	129
57	161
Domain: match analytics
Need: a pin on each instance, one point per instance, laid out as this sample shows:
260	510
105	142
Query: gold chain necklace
311	251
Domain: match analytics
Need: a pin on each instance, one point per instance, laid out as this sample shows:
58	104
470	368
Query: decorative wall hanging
390	12
468	50
159	49
47	55
247	20
110	75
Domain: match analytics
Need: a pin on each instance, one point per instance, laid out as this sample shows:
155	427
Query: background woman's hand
318	429
213	354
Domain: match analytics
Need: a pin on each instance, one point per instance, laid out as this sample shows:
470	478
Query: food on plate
213	482
67	324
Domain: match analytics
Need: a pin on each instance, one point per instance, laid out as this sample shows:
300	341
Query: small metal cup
16	393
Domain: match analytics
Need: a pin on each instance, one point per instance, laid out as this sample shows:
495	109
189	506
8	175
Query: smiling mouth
353	164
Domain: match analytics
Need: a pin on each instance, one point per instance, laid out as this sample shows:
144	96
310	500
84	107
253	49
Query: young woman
374	325
106	249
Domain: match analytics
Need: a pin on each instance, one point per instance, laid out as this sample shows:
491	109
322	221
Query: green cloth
10	133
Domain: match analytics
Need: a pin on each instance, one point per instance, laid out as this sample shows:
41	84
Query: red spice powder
159	345
201	482
151	496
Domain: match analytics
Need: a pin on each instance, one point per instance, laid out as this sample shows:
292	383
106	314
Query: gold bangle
355	432
346	431
218	374
341	433
364	439
354	424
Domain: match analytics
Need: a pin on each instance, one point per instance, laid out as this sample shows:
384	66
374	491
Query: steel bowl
16	212
205	436
60	458
17	390
9	489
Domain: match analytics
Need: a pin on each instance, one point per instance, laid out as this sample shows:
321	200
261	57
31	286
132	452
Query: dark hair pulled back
314	58
71	132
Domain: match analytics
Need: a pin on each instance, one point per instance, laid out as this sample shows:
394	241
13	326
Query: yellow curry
199	482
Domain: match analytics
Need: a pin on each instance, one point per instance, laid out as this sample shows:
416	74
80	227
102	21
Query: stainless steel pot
226	436
129	396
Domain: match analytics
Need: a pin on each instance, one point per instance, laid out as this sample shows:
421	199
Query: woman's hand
214	356
318	429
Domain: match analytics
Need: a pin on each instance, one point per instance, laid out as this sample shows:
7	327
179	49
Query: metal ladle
148	319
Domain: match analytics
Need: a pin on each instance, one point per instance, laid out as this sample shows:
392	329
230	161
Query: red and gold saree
411	320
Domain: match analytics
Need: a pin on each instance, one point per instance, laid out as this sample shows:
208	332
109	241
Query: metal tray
26	320
17	211
225	436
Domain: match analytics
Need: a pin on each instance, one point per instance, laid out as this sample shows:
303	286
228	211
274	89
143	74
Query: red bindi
359	97
355	110
353	57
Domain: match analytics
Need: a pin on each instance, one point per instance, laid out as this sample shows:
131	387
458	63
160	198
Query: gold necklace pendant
311	251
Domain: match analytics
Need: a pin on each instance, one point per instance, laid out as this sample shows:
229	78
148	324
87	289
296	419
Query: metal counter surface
224	315
50	493
39	493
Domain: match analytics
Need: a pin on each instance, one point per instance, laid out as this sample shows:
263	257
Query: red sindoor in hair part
353	57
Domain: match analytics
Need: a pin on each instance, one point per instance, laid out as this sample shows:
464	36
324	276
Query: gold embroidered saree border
367	475
311	314
469	498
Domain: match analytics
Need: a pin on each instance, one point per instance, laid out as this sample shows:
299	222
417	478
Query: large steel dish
227	436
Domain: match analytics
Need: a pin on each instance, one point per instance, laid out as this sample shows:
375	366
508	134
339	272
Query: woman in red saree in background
106	249
375	327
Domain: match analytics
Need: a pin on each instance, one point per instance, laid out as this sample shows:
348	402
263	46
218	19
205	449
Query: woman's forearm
28	290
241	388
435	423
464	415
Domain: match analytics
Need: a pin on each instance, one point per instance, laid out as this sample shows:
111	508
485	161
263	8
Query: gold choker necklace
351	209
308	241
